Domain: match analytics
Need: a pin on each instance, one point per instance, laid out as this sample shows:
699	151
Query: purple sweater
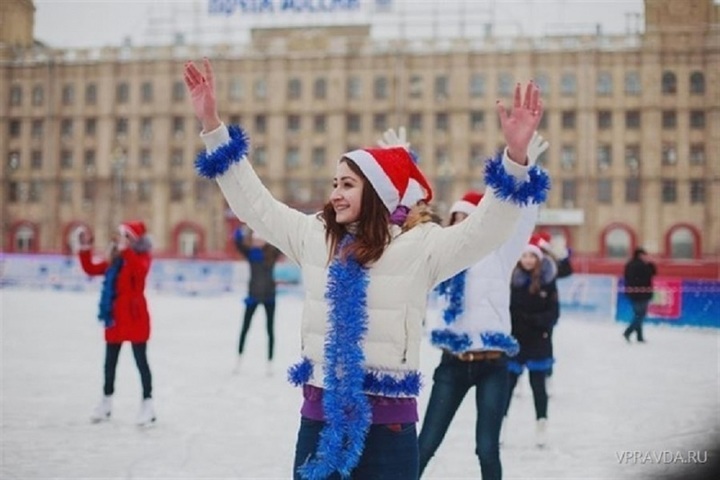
385	410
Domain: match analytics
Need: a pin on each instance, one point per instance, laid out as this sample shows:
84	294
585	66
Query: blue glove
238	235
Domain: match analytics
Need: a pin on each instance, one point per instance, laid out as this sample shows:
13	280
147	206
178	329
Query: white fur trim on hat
413	194
534	249
462	206
377	177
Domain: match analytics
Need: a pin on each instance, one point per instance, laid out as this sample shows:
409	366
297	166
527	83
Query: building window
121	127
632	190
604	119
177	190
415	122
260	89
697	119
604	190
66	128
13	192
293	123
235	91
380	123
68	95
294	89
618	242
319	123
90	94
146	92
259	156
697	83
36	160
442	89
543	82
188	241
13	162
145	158
604	84
14	129
38	96
569	193
416	84
178	91
89	189
669	154
292	158
505	85
122	93
35	191
66	159
697	191
24	239
380	88
318	158
146	128
37	128
683	243
477	120
441	122
669	83
442	159
633	86
568	84
669	190
697	154
354	88
604	157
567	157
90	127
632	119
320	89
477	85
632	158
477	156
66	191
202	191
89	161
354	123
178	127
176	158
144	191
669	119
260	124
568	120
15	96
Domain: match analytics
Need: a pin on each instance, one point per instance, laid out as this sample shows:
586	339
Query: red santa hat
544	240
468	203
389	171
534	247
134	229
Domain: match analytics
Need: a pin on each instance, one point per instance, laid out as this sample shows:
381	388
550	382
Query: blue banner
254	7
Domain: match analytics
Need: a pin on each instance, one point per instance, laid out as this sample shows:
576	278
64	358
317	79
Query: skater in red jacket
123	308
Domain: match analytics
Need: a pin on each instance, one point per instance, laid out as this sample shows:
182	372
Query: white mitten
80	239
536	147
391	139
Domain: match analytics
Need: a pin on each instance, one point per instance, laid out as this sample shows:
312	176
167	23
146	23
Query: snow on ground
617	411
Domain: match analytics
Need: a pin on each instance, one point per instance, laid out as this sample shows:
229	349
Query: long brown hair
373	227
535	275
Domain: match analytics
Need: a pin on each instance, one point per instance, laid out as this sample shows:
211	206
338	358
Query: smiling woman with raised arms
366	275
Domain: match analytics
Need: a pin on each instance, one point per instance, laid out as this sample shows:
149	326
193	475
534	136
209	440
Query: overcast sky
88	23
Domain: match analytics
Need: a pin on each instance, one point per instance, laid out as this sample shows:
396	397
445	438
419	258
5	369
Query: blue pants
640	308
112	353
390	453
451	381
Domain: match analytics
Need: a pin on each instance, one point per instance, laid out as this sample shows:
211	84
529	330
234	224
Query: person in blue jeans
474	335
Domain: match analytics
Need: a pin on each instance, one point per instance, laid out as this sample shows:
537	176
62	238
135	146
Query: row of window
477	87
479	153
605	192
353	123
682	242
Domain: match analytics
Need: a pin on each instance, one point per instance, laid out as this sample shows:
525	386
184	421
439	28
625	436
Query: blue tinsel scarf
347	411
453	289
108	293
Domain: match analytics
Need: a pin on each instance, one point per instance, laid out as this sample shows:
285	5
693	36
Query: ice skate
103	410
541	432
146	415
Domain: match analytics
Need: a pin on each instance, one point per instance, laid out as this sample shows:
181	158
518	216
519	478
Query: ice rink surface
617	410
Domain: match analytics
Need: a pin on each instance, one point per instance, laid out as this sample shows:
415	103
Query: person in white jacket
474	335
366	276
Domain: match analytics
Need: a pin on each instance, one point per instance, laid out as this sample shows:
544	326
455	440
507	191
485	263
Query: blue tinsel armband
211	165
507	187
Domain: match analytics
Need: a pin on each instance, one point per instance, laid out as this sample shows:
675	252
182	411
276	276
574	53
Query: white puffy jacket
412	264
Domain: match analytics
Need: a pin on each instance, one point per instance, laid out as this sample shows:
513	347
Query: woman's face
528	260
346	197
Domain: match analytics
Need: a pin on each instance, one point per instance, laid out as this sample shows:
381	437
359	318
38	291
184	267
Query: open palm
201	86
519	124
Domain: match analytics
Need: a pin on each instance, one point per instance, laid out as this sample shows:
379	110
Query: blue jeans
390	453
640	308
451	381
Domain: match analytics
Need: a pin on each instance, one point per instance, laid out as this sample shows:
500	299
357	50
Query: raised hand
201	86
519	124
391	139
536	147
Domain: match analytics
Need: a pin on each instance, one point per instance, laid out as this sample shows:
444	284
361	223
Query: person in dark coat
534	309
639	272
123	307
261	257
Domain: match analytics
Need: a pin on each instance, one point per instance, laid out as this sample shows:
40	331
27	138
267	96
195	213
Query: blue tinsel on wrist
211	165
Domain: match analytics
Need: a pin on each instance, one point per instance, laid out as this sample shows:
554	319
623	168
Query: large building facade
98	136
